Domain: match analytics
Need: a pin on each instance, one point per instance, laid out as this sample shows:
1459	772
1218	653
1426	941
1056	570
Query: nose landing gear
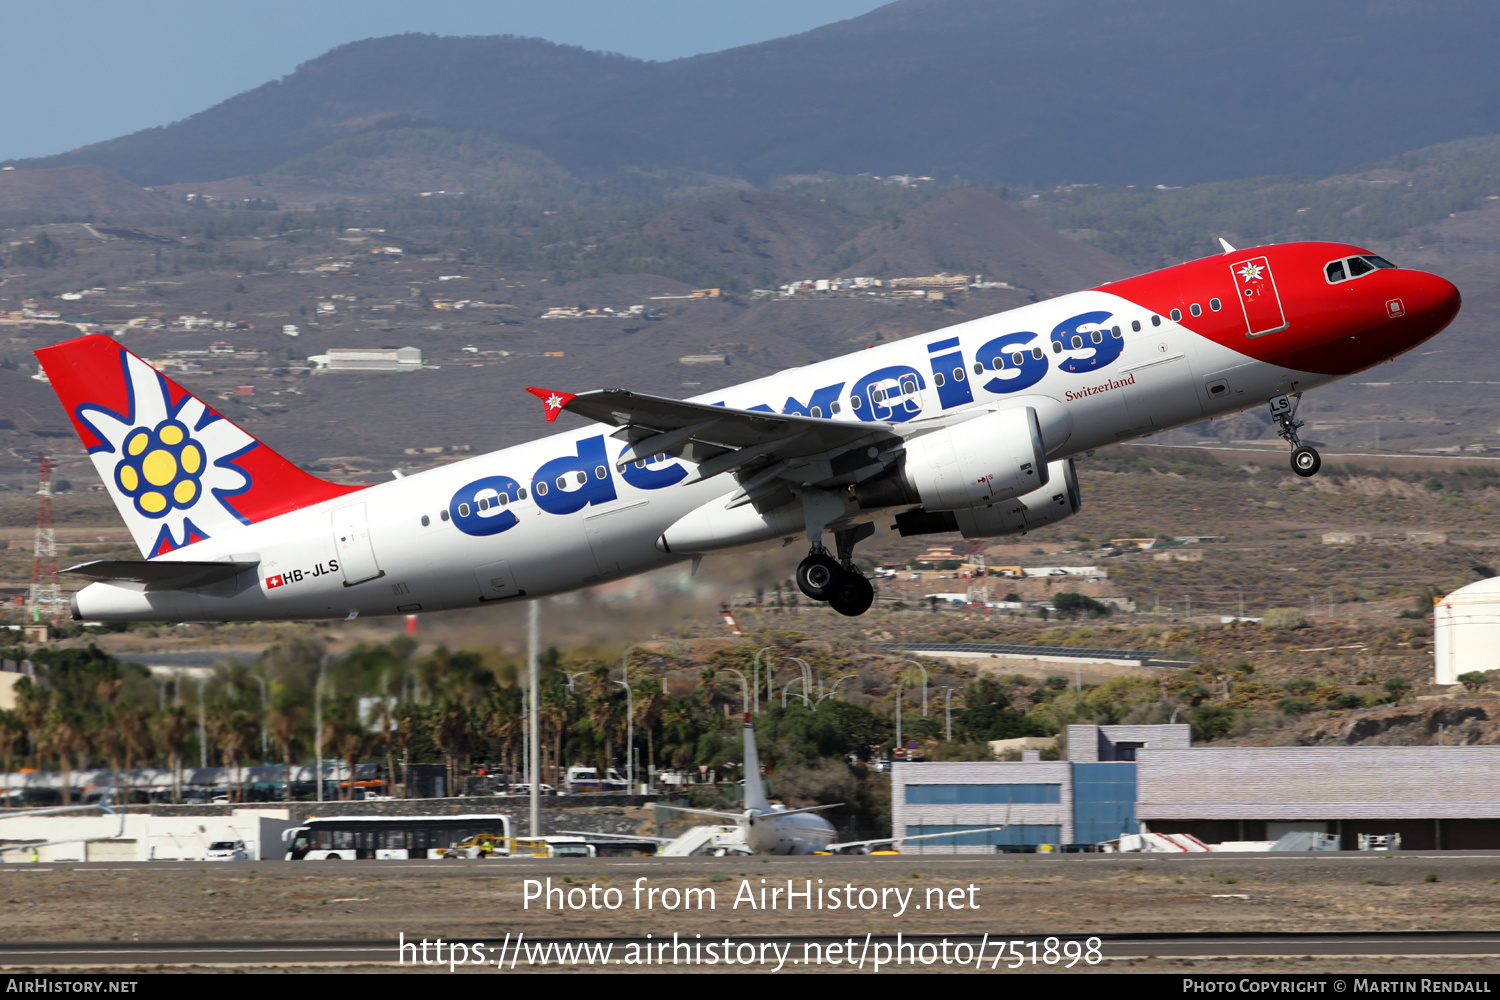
1305	460
838	581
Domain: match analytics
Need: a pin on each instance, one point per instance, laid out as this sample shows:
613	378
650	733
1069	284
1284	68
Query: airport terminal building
1135	779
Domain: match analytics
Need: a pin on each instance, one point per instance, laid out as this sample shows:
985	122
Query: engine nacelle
976	463
1060	498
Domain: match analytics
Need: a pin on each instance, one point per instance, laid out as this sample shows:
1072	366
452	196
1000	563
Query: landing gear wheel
1306	461
818	576
853	596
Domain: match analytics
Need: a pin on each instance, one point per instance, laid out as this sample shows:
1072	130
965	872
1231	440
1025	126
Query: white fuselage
398	547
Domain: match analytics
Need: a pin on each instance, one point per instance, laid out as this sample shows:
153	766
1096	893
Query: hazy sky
78	71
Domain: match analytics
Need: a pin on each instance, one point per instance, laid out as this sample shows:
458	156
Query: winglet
552	400
1225	244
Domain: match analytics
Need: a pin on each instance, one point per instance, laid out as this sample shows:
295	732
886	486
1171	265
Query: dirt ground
1009	897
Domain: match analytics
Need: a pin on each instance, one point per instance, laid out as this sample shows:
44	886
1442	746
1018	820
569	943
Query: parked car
227	850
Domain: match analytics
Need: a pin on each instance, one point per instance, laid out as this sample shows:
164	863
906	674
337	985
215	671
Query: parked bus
348	838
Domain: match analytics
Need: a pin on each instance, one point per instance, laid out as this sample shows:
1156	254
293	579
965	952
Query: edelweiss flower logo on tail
177	470
173	460
162	469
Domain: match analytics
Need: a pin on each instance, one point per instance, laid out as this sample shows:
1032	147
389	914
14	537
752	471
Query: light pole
629	739
318	728
806	671
265	705
834	689
924	685
744	685
788	687
755	687
899	745
533	720
202	729
948	715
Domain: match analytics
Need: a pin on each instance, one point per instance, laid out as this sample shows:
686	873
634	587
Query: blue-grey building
1086	799
1140	779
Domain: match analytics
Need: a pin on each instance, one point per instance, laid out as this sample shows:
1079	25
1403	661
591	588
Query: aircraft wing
835	848
615	836
764	450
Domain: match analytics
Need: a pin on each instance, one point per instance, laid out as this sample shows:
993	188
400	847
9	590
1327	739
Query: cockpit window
1356	267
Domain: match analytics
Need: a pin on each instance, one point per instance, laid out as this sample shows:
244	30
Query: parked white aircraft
969	429
764	828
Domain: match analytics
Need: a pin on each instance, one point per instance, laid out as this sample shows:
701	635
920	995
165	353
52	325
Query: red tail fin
177	469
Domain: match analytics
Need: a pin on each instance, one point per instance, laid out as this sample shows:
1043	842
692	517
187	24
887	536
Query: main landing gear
1305	460
838	581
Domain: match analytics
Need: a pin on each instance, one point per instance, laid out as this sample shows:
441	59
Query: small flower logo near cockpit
161	468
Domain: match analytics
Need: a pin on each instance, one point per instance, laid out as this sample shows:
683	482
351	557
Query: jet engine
1060	498
975	463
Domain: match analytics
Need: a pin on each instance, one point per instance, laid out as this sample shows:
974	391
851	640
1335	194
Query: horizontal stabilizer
161	574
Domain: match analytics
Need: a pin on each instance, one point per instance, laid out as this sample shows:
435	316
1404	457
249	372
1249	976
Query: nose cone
1435	299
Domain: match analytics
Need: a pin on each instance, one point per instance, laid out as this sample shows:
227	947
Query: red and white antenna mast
45	601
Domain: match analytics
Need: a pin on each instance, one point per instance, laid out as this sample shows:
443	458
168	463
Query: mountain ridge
1162	91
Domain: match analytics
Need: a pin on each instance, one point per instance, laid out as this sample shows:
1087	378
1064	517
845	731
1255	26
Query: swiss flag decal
272	582
553	401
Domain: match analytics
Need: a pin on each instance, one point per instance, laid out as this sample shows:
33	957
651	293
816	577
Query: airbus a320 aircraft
969	429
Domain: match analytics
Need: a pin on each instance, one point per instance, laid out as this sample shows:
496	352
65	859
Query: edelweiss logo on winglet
176	460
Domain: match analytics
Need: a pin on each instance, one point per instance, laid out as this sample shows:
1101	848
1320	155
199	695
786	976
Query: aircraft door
351	537
1259	301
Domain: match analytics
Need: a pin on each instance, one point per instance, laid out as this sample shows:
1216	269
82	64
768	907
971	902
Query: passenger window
1057	347
504	499
1036	352
562	482
1335	272
1114	332
834	407
1215	305
908	387
1097	337
426	520
1156	321
1357	267
1195	309
463	510
600	472
997	363
1077	342
958	374
937	379
817	411
1017	359
521	493
855	402
484	503
978	368
1378	261
443	514
541	489
1135	325
1176	315
583	477
878	395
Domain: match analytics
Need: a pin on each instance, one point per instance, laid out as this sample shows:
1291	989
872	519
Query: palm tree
285	719
174	724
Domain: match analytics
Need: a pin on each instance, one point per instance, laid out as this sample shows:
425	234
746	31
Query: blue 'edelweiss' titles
892	393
